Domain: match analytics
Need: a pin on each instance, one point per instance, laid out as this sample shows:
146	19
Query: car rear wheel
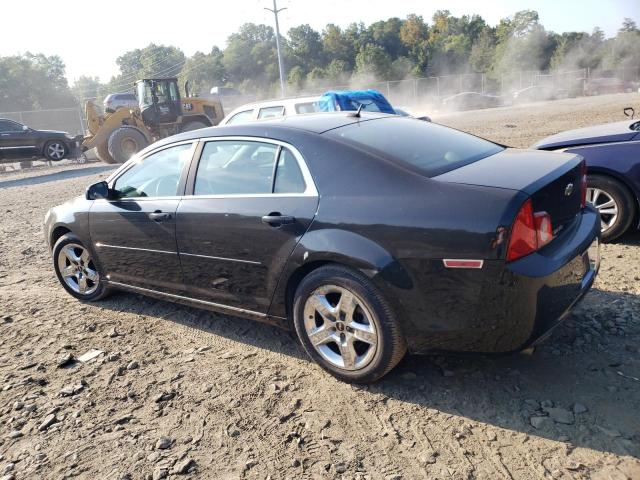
615	204
55	150
346	325
76	270
125	142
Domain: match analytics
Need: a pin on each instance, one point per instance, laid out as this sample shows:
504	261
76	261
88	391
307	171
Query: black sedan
368	234
19	141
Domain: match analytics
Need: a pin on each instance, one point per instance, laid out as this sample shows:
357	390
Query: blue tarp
371	101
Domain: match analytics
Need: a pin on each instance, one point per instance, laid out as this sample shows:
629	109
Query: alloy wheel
77	269
340	327
606	205
55	151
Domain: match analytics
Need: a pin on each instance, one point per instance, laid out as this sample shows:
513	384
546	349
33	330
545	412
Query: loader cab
159	100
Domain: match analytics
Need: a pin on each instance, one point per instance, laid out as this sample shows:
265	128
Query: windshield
428	148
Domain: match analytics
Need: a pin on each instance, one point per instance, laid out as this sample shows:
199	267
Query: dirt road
180	391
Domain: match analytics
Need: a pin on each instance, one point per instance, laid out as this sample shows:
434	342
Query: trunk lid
552	180
607	133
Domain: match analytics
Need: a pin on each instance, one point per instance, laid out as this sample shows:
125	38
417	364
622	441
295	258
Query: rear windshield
424	146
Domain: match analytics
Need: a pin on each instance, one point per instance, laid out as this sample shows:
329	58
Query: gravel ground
182	392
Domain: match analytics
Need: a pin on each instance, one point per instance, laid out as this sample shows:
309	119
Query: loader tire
102	151
126	141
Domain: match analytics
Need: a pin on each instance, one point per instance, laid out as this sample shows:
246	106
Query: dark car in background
612	155
114	101
18	141
601	86
368	234
471	101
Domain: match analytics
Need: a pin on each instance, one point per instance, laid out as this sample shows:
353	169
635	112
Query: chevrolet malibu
367	234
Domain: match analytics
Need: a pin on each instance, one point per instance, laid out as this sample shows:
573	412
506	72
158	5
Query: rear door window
289	178
308	107
241	117
270	112
235	167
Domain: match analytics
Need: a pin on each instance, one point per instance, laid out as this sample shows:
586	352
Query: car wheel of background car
55	150
102	151
194	125
76	270
346	325
615	204
126	141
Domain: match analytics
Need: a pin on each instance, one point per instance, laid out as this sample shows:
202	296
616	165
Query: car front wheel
55	150
615	204
346	325
76	270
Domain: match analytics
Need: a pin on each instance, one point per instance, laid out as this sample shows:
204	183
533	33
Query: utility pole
275	12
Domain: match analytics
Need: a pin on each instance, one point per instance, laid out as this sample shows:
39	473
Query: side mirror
97	190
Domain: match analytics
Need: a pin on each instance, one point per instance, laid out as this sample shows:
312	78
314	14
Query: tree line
392	49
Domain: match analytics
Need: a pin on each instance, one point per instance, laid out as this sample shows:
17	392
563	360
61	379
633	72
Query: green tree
152	61
338	47
250	58
296	77
33	82
372	60
86	88
482	52
414	34
305	48
386	33
204	71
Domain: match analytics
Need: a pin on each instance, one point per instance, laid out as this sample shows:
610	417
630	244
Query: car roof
317	123
273	103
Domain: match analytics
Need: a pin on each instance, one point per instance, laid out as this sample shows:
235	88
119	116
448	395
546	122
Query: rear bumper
506	307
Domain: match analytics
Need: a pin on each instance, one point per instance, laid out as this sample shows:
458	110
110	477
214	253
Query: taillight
583	184
544	228
530	232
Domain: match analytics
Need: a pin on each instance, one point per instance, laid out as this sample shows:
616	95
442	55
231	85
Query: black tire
624	201
102	152
92	294
390	345
194	125
55	150
126	141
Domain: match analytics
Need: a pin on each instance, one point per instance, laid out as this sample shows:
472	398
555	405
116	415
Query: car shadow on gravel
56	176
579	388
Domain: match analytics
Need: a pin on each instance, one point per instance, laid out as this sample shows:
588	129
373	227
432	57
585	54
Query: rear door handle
159	216
275	219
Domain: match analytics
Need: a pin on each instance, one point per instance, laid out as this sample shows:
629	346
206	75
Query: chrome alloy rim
340	327
606	205
77	269
55	151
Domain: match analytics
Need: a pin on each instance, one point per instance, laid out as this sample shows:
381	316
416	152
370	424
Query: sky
90	35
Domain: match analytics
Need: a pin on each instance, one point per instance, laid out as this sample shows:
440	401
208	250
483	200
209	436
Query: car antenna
357	113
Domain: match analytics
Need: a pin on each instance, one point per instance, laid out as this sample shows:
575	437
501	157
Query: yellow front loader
161	112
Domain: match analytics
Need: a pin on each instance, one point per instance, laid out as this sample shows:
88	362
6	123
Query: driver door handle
159	216
275	219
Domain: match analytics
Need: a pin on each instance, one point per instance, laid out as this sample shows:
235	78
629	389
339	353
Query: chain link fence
431	90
